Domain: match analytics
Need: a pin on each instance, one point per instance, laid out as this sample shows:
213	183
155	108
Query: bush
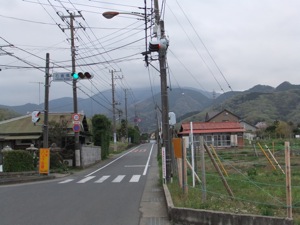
17	161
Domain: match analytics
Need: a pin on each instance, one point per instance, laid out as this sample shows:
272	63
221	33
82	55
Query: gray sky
215	45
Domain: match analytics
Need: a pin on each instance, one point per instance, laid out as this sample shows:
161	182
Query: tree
101	133
134	134
122	130
284	130
58	133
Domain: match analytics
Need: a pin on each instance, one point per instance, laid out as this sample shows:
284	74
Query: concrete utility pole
73	53
164	93
114	107
46	104
126	115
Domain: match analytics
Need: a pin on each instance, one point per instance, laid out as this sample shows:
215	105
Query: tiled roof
24	125
212	127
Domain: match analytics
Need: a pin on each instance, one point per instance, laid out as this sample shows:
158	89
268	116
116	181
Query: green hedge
17	161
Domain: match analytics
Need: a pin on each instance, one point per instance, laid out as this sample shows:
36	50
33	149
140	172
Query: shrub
17	161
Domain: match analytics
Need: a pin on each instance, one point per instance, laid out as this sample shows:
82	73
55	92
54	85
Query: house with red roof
219	134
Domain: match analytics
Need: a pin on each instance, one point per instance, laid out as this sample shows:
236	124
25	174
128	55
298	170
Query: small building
218	134
227	116
21	132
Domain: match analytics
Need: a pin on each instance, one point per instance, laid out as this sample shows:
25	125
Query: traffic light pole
76	134
73	53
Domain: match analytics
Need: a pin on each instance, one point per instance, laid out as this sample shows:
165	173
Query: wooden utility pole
288	180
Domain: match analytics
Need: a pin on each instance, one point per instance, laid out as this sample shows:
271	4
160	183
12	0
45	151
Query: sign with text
44	164
164	167
65	76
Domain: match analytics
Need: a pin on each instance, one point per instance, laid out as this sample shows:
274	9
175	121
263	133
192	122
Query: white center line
134	165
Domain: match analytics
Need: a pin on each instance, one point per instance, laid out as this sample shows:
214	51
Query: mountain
259	103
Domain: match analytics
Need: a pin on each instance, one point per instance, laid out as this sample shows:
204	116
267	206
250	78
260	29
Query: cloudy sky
215	45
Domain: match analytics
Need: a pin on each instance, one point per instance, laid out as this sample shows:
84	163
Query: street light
111	14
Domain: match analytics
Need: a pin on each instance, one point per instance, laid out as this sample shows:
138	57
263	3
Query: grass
258	188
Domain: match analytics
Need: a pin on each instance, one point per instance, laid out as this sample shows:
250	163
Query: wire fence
257	187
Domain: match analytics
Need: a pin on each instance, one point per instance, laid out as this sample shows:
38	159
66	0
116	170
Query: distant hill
262	103
259	103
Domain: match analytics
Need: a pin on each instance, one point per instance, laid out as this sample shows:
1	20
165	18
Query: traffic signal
75	76
158	45
81	75
35	116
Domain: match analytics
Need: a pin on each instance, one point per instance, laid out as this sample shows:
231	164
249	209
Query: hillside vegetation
260	103
6	114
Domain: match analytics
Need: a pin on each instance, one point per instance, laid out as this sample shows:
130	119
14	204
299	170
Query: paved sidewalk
153	204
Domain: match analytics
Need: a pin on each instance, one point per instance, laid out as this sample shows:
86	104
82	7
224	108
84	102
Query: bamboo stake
191	167
219	171
275	159
220	163
266	155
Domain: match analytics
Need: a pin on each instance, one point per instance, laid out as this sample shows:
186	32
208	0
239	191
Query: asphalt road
107	194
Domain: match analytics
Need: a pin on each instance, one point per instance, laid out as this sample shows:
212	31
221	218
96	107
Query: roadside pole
288	180
164	92
46	104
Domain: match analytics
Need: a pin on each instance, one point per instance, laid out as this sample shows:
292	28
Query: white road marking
147	164
102	179
118	179
134	165
135	178
66	181
85	179
111	162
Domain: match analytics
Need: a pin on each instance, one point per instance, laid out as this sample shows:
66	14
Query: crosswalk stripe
66	181
135	178
102	179
118	179
85	179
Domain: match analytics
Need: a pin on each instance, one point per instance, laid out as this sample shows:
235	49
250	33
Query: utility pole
114	107
164	93
46	104
126	115
39	83
73	54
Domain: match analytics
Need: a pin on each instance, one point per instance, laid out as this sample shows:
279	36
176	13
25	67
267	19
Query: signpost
76	127
44	164
76	122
